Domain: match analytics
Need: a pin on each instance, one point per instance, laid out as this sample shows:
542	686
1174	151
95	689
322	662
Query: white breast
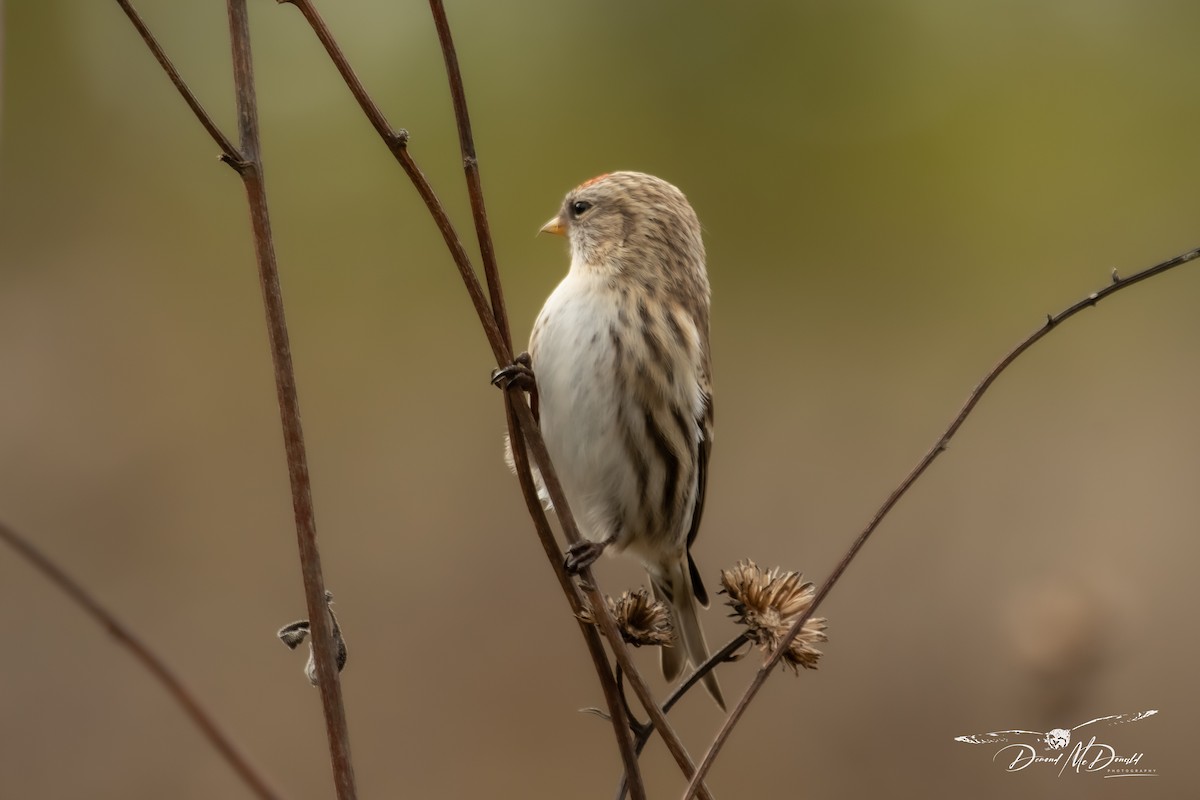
573	359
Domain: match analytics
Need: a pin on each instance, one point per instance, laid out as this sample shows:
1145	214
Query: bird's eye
578	207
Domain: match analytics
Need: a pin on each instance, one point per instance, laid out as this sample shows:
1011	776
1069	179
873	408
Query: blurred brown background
893	194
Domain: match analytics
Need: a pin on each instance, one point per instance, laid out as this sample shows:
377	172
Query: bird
622	376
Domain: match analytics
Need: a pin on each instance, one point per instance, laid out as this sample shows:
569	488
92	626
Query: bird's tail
673	585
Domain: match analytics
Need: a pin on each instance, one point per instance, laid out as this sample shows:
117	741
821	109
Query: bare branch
466	141
180	693
323	644
247	162
1052	322
397	143
229	153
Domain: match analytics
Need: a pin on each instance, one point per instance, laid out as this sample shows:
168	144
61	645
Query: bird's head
630	223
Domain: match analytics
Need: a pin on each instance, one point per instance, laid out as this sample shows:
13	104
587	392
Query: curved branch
175	687
1052	322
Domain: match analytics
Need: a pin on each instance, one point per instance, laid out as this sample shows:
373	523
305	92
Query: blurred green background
893	193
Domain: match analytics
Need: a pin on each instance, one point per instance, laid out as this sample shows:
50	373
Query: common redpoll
621	360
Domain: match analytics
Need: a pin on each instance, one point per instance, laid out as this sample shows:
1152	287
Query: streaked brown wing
705	422
705	447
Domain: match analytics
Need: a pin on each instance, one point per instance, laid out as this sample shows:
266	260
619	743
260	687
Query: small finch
620	358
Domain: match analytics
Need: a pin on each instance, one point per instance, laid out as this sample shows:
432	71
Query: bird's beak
554	226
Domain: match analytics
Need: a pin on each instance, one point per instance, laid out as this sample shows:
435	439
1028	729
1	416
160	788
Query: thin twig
466	141
180	693
717	658
397	143
1052	322
323	645
229	153
644	732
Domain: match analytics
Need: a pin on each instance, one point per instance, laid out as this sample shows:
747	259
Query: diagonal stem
175	687
466	141
613	697
396	141
250	169
608	626
1052	322
646	731
229	153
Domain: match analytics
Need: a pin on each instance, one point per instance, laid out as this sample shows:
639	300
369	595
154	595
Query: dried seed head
294	634
642	620
767	603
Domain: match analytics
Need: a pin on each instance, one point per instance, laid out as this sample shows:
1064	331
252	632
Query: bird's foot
517	375
582	555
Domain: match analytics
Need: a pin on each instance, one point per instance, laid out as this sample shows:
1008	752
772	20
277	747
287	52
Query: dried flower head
767	603
642	619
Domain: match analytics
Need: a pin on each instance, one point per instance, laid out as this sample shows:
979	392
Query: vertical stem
250	168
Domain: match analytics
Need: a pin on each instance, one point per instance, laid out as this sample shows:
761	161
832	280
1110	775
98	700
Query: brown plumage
621	357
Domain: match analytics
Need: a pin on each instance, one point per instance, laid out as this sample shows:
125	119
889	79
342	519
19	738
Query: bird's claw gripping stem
517	375
582	555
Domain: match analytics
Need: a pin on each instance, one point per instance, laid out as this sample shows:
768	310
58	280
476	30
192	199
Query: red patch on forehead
594	180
